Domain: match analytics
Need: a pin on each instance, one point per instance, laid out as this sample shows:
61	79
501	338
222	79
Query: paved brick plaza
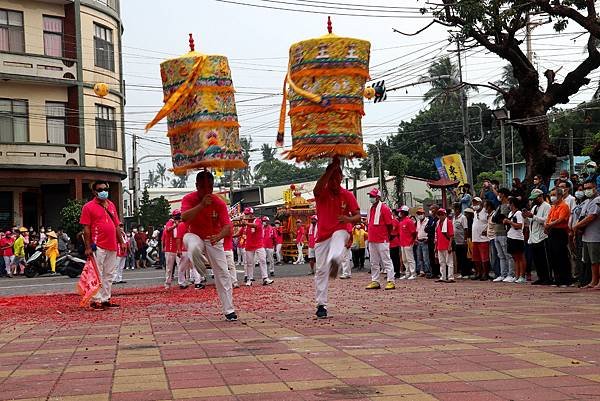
424	341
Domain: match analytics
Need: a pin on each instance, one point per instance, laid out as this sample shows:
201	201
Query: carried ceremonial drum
326	78
202	122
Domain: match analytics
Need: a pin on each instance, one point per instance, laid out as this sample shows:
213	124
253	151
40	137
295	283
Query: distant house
562	163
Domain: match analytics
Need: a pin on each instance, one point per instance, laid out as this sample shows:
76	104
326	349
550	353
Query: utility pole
571	155
503	146
463	110
528	29
135	176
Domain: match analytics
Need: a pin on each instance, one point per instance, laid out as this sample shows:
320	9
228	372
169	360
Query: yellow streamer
180	95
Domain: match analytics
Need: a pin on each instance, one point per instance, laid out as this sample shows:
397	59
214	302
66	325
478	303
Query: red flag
89	281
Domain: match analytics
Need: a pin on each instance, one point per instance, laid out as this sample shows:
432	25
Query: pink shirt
210	220
408	232
168	237
442	241
268	237
329	207
102	224
300	234
378	233
312	239
254	236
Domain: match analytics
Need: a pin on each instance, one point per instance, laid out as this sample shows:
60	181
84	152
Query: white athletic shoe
412	278
509	279
498	279
248	283
402	277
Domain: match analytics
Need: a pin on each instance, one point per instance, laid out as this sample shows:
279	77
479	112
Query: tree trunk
526	104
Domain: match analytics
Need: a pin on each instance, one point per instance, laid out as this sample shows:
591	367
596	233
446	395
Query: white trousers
408	259
380	260
120	266
346	262
270	259
107	266
231	267
218	261
446	260
8	260
170	259
333	248
300	258
185	270
278	252
262	262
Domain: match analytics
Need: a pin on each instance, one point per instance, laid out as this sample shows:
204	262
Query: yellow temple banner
455	168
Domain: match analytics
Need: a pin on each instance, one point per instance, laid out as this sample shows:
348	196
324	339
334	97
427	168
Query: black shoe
183	286
108	304
484	278
440	280
475	278
158	268
429	276
97	306
272	274
199	286
231	317
245	279
538	282
321	312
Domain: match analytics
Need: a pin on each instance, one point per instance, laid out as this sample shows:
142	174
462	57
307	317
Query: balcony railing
39	154
31	66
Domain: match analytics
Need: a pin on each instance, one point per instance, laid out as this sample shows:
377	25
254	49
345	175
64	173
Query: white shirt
421	234
514	233
479	226
571	201
536	223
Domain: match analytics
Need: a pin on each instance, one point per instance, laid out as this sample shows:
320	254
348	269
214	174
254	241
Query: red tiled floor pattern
423	341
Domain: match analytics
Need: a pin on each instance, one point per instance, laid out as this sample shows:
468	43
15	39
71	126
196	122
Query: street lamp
502	115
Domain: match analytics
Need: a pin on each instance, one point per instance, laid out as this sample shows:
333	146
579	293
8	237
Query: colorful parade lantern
326	78
203	128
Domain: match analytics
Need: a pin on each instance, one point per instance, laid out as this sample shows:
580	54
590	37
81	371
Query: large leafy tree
494	24
153	212
161	172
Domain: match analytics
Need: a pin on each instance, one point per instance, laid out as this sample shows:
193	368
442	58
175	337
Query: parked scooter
152	252
67	264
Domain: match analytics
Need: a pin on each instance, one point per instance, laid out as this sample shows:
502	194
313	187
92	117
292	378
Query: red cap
248	210
375	192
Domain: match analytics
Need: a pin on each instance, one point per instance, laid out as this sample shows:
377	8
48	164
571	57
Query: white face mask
373	200
589	193
553	199
420	216
477	208
499	199
579	195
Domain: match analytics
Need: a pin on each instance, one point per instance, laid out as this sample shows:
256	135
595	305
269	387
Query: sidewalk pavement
424	341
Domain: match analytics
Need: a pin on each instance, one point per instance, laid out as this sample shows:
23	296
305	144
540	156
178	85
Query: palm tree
152	180
179	182
507	82
161	172
443	76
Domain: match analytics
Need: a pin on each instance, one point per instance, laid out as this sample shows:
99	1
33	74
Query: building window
14	121
104	49
106	128
56	122
12	35
53	36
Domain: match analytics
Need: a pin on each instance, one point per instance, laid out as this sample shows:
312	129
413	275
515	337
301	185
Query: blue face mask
103	195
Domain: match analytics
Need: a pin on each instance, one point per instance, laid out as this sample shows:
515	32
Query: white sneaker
248	283
458	276
412	278
267	281
509	279
402	277
498	279
236	285
521	280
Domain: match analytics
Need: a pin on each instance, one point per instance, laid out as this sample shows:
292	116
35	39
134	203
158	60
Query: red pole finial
191	43
329	26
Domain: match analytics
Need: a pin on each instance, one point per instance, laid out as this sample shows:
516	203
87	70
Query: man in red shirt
141	239
300	238
269	244
208	224
444	231
408	235
312	236
380	226
255	247
337	212
102	237
278	241
6	246
170	245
